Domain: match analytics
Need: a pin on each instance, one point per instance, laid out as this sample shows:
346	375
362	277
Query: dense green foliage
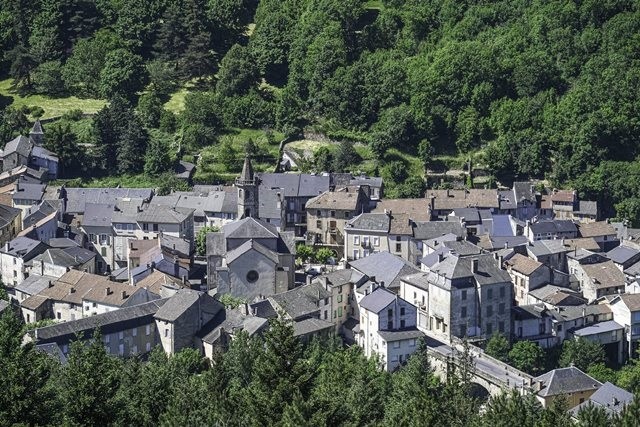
542	89
273	380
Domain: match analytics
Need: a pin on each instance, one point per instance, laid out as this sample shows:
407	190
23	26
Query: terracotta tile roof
453	199
342	199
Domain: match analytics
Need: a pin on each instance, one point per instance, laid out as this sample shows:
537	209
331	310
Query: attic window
252	276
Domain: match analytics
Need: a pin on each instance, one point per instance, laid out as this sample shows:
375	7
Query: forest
270	380
544	89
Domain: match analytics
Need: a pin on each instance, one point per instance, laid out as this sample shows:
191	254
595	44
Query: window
95	304
402	323
365	241
346	215
318	212
396	344
464	295
155	227
401	311
166	333
148	346
103	251
501	326
489	329
489	310
463	311
59	315
394	358
325	314
412	343
390	312
121	349
15	261
107	339
319	224
462	331
502	292
398	247
28	318
252	276
490	293
501	308
340	311
335	314
121	335
134	332
339	298
376	241
145	226
356	240
390	324
356	254
332	214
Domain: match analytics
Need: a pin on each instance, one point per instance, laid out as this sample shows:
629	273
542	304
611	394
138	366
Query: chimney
244	309
107	291
124	294
474	265
50	284
500	262
72	290
184	280
440	257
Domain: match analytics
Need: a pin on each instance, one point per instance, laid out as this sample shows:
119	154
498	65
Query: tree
502	410
150	109
581	353
424	152
227	155
237	72
122	73
498	347
304	252
527	356
131	147
62	141
157	158
394	129
201	239
591	415
47	78
323	159
345	156
323	255
603	373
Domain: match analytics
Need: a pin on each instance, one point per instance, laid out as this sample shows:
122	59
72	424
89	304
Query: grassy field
175	104
53	107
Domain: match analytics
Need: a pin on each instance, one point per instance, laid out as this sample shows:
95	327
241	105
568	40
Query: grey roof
216	244
247	170
586	207
264	309
301	301
249	245
622	254
43	153
57	257
177	244
36	128
271	203
20	144
566	381
78	197
378	300
456	267
342	277
8	214
3	305
633	270
310	325
598	328
249	228
524	191
557	295
163	215
97	215
28	191
184	299
431	229
184	169
469	214
295	184
53	350
232	321
501	226
407	334
81	255
611	398
419	280
529	311
507	199
546	247
554	226
24	247
457	248
62	242
109	321
385	267
370	222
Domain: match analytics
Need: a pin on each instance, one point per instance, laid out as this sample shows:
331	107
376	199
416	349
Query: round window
252	276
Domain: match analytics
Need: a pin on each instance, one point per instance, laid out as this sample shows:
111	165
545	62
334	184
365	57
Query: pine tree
131	147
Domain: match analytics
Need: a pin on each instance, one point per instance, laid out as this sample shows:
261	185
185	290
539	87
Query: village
329	253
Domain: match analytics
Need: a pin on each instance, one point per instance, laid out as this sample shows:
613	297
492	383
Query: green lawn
175	104
373	4
53	107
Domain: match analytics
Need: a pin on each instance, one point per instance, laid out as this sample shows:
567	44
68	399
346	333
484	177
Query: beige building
10	223
369	233
527	274
328	213
571	383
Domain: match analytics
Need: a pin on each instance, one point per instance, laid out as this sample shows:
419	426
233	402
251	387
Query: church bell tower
247	186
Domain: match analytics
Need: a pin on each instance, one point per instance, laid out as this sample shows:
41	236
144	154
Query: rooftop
566	381
416	209
523	264
596	229
598	328
347	199
384	267
604	274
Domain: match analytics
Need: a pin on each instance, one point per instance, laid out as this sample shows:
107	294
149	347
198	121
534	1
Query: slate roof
43	153
598	328
77	198
546	247
370	222
23	247
8	214
58	257
62	242
563	196
390	336
3	305
249	228
632	301
419	280
566	381
20	144
596	229
310	326
586	207
524	190
36	128
385	267
433	229
184	170
81	255
611	398
52	350
295	184
553	226
301	301
507	200
556	295
34	284
157	280
342	277
177	244
501	226
523	264
184	299
416	209
161	215
107	322
456	267
378	300
232	321
271	203
34	302
28	191
622	254
233	254
529	311
264	309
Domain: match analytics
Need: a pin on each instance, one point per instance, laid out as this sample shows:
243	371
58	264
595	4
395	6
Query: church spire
247	185
247	170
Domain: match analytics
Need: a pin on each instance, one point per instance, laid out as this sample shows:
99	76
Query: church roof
247	170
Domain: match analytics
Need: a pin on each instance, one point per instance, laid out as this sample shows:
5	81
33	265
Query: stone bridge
491	376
